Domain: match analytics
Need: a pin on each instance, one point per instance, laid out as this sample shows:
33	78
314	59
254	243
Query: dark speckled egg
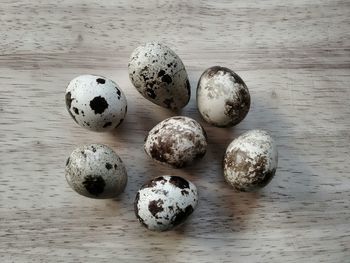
159	75
165	202
96	171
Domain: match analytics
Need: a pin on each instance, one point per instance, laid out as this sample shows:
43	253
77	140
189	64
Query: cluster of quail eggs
99	104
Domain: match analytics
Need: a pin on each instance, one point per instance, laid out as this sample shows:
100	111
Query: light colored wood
295	59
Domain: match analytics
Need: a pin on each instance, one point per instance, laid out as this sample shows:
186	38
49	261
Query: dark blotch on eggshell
100	81
136	209
94	184
181	215
179	182
150	93
69	100
120	122
98	105
76	110
156	206
238	109
159	150
153	182
214	70
166	78
107	124
188	86
161	73
108	166
168	102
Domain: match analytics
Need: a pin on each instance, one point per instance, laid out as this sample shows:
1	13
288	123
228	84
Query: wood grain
295	58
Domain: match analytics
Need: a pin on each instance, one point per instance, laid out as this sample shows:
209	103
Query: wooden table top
295	59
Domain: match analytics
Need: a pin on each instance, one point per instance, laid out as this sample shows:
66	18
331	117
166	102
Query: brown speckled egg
176	141
165	202
96	171
223	98
250	161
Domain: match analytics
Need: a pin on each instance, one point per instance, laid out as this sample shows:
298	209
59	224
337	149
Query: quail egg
176	141
165	202
96	103
159	75
96	171
223	98
250	160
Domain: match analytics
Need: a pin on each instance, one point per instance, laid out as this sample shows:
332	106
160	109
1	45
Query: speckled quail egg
159	75
96	171
95	102
223	98
176	141
165	202
250	160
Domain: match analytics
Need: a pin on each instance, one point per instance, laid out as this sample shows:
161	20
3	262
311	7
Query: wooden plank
295	59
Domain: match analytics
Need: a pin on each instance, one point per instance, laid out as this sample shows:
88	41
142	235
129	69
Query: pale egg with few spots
95	102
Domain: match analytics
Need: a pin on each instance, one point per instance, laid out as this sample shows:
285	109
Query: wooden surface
293	55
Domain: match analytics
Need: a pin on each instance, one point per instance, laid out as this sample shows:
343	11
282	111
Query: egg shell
165	202
159	75
96	171
176	141
250	160
223	98
96	103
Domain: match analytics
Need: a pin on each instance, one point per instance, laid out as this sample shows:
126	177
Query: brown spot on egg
179	182
155	207
166	78
168	102
181	215
69	100
94	184
162	150
76	110
150	93
107	124
98	105
108	166
120	122
184	192
161	73
153	182
188	87
136	210
100	81
237	108
211	72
